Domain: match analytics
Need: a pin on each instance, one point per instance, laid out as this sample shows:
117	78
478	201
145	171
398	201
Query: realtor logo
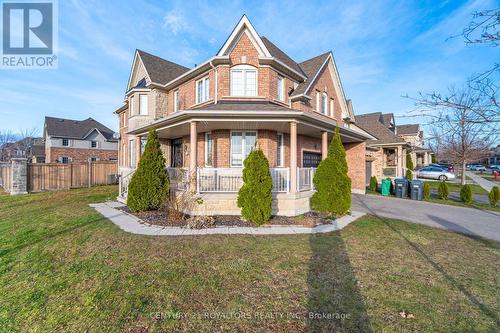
29	34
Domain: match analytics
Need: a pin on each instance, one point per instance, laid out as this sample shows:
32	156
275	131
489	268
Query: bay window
176	101
332	108
202	90
143	105
242	143
243	81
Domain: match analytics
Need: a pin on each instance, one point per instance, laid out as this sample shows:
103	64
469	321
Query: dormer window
202	90
93	144
281	89
244	81
65	142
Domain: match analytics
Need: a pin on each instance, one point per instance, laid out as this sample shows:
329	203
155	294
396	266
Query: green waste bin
386	187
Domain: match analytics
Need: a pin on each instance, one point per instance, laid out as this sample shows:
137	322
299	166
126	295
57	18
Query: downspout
216	82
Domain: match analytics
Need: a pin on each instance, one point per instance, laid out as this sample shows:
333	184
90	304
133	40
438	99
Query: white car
433	172
477	167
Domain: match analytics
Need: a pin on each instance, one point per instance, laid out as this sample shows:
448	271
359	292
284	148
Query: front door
176	158
310	159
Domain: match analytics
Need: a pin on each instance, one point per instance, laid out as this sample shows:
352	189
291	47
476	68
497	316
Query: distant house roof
409	129
374	124
281	56
77	129
160	70
310	68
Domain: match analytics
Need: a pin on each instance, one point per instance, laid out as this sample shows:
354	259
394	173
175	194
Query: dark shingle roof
409	129
79	129
373	124
245	106
160	70
281	56
310	68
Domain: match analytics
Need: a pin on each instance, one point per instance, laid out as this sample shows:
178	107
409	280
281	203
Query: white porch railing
230	180
125	178
305	179
178	178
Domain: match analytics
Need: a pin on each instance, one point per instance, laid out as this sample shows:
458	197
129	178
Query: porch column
426	158
324	145
399	162
192	154
138	152
293	157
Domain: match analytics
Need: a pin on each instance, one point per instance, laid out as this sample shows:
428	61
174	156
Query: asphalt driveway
469	221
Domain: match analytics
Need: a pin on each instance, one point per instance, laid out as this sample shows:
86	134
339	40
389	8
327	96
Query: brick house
250	94
31	148
68	140
414	136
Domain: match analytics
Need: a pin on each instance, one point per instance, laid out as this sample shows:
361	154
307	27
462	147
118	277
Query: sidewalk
132	224
484	183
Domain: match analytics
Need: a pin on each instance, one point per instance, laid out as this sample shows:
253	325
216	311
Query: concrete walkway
484	183
132	224
469	221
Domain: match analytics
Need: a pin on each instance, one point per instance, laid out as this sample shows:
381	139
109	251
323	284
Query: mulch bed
163	217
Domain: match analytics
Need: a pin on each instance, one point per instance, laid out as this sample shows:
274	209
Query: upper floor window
244	81
93	144
323	104
143	104
124	119
176	101
281	88
65	142
318	101
332	108
132	107
202	90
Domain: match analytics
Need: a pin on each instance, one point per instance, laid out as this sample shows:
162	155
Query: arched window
244	81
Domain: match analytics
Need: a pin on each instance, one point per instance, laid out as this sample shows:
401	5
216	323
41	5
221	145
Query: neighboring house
68	140
24	148
386	153
412	134
494	158
250	94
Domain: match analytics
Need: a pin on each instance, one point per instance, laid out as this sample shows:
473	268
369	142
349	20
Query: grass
64	268
454	187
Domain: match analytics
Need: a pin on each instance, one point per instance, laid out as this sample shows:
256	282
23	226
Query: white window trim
176	100
243	146
206	149
132	108
62	143
281	159
325	96
332	108
96	144
206	90
244	69
281	88
63	157
141	111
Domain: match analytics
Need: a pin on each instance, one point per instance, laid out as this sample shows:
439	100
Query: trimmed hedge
427	191
333	185
373	184
443	191
466	194
149	186
409	167
494	196
255	196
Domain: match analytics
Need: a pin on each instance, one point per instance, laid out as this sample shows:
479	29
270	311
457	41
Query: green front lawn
65	268
454	187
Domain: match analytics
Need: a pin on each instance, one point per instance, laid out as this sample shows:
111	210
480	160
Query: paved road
484	183
468	221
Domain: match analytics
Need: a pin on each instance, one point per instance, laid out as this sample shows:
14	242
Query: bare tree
459	130
483	29
6	138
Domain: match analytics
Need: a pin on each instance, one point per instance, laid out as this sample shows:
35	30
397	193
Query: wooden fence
56	176
5	176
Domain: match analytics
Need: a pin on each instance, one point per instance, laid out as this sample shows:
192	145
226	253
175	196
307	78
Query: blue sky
383	49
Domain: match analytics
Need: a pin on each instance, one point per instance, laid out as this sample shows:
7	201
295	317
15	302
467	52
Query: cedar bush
255	196
426	191
443	191
149	186
409	167
494	196
466	194
333	186
373	184
433	158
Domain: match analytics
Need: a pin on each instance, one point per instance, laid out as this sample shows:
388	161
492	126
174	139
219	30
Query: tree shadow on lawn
449	278
335	303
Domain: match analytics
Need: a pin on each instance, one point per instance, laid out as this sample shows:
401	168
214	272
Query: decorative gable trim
244	26
135	63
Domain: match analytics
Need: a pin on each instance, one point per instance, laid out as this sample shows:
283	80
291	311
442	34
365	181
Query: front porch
205	156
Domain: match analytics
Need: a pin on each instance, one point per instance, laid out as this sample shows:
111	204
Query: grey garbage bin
417	189
401	187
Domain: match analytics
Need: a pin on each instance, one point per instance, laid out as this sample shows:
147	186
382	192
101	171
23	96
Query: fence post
89	173
19	174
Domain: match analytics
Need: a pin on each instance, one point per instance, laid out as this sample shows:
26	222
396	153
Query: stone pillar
192	154
324	145
293	157
19	176
399	162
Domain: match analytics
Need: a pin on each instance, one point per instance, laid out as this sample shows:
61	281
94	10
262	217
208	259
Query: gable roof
310	68
373	123
409	129
76	129
277	53
160	70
